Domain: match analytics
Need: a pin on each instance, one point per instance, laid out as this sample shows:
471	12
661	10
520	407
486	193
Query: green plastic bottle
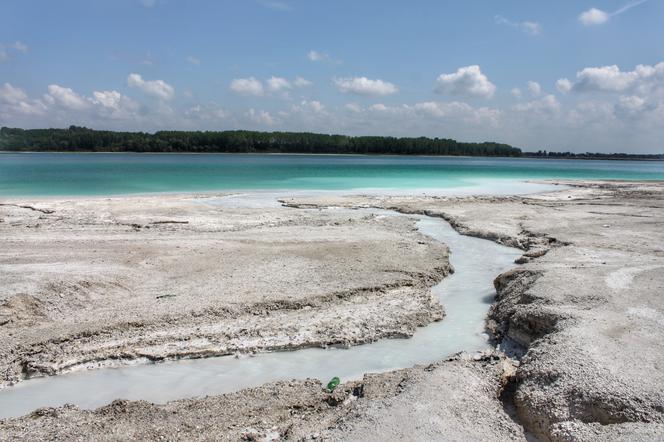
334	382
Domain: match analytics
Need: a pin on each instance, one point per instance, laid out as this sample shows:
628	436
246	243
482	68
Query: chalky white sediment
465	295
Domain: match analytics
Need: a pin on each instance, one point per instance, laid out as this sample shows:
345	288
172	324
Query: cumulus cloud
156	88
594	16
564	85
631	105
643	79
314	106
365	86
5	50
516	92
252	86
11	95
468	80
529	27
207	112
112	104
353	107
260	117
15	102
317	56
247	86
65	97
534	88
547	105
276	84
301	82
19	46
193	60
456	110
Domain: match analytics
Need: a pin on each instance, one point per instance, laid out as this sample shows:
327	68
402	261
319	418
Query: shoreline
561	291
523	157
454	191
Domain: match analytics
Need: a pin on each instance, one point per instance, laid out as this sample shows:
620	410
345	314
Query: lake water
47	174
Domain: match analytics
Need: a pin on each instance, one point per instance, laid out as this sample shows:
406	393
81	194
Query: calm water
104	174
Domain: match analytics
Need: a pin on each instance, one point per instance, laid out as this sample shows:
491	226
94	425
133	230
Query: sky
571	75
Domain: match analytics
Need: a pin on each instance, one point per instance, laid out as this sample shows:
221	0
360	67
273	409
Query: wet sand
85	282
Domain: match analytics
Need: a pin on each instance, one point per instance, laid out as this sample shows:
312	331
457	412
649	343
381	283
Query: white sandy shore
585	308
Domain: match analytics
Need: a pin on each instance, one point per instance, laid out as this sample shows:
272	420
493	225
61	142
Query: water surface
44	174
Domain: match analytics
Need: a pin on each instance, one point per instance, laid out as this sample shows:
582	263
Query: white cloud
207	112
314	106
545	105
19	46
301	82
156	88
317	56
247	86
468	80
459	111
11	95
65	97
631	104
260	117
365	86
534	88
14	101
112	104
353	107
255	87
378	107
564	85
643	79
594	16
529	27
276	84
516	92
5	50
193	60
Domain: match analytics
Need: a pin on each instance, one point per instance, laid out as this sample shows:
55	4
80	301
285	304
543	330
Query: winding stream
466	296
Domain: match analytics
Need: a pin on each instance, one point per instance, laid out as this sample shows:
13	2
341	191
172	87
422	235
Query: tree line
593	156
81	139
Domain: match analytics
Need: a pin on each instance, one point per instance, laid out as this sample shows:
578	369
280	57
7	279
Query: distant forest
593	156
81	139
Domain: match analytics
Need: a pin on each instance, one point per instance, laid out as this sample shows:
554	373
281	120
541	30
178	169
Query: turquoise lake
47	174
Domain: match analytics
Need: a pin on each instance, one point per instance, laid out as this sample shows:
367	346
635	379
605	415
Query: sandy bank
584	314
586	308
101	282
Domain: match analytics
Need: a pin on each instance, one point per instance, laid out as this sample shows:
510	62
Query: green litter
334	382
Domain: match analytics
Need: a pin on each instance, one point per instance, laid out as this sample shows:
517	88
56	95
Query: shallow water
43	174
465	295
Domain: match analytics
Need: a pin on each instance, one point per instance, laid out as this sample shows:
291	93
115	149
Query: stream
466	296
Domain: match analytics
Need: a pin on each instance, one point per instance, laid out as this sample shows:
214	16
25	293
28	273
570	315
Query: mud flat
106	282
581	320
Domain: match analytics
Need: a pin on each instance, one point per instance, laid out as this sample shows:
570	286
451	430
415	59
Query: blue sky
566	75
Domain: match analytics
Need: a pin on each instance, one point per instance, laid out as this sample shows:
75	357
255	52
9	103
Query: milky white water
466	296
